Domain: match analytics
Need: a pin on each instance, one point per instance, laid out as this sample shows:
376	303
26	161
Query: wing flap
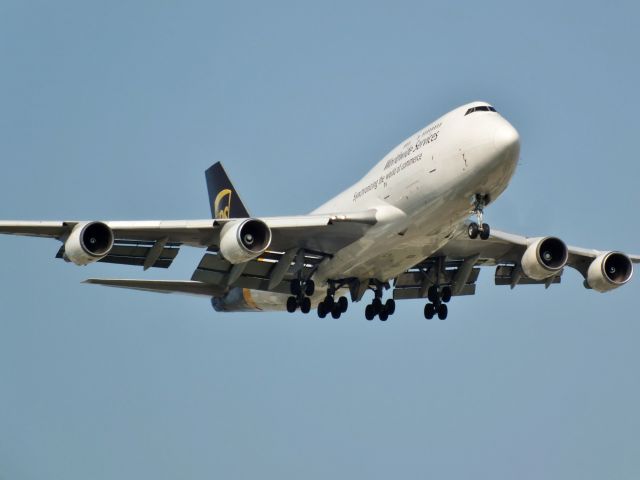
510	275
415	292
256	274
137	253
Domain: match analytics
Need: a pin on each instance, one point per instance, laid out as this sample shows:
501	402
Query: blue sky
114	110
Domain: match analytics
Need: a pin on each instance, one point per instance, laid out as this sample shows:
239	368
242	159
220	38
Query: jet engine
244	240
88	243
544	258
608	271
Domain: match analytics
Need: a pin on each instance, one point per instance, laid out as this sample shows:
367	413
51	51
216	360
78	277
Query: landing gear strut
479	228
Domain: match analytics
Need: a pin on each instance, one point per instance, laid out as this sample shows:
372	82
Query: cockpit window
481	108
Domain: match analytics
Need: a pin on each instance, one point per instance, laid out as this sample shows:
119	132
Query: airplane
413	225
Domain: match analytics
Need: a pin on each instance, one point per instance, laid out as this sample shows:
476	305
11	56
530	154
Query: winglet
223	198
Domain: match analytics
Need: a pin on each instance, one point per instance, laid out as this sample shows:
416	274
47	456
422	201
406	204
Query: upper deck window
481	108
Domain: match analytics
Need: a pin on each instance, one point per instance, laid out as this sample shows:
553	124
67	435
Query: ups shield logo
222	204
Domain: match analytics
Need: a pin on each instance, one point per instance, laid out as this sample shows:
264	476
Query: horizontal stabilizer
188	287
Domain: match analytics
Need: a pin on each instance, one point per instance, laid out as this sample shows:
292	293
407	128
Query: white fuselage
422	192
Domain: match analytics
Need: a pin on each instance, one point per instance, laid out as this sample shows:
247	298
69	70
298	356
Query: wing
156	243
458	263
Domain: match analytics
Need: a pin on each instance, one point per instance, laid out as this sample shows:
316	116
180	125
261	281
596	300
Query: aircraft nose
506	138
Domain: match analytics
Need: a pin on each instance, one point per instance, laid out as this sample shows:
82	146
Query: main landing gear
300	293
479	229
377	307
438	299
332	306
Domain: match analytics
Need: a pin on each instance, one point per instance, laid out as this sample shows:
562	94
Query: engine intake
609	271
88	243
544	258
244	240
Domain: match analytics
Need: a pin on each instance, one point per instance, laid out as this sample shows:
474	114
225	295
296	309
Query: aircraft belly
439	203
386	253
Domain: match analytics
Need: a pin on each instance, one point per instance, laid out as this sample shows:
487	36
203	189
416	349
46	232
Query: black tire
369	312
446	294
473	230
485	232
294	288
292	304
429	311
383	315
390	306
305	305
443	311
336	312
322	310
309	288
343	303
377	304
432	294
329	301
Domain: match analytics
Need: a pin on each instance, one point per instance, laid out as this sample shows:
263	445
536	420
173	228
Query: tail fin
223	198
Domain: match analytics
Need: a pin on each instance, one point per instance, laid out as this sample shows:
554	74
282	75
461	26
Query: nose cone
506	139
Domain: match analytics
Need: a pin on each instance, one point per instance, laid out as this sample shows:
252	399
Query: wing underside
299	244
458	264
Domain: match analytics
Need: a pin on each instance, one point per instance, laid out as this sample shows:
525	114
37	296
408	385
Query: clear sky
113	110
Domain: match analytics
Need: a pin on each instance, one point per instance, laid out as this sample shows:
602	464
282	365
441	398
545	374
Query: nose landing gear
479	229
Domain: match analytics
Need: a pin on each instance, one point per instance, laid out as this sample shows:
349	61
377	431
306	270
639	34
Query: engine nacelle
244	240
544	258
608	271
88	243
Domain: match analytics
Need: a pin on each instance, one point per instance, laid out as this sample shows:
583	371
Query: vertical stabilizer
223	198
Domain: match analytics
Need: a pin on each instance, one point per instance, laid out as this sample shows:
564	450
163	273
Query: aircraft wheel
446	294
429	311
443	310
328	300
485	232
335	311
292	304
377	304
473	230
432	294
322	310
369	312
305	305
343	303
384	315
294	288
309	288
390	306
